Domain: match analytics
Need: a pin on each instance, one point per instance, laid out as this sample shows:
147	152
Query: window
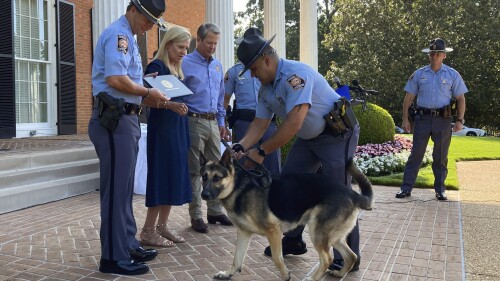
31	66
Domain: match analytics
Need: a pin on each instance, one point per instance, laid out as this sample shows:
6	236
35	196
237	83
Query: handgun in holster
451	109
110	110
231	113
341	118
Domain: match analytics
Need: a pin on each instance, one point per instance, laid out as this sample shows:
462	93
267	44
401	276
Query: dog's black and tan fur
326	206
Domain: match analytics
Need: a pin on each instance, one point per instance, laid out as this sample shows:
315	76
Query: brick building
46	61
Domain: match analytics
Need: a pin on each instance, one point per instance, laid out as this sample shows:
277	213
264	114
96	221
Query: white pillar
274	23
220	12
309	32
104	13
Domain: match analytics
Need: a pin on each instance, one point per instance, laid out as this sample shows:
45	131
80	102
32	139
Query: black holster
341	119
110	110
412	111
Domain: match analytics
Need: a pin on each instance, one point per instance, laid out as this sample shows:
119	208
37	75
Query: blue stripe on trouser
111	192
117	154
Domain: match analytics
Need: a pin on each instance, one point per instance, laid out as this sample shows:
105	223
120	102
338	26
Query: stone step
31	179
24	196
39	174
37	159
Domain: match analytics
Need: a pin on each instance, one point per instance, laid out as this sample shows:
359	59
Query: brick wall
83	44
187	13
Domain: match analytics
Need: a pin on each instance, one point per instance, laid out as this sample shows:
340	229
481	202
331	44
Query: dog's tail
365	201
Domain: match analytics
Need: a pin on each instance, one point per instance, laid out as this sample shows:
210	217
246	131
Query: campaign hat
152	9
437	45
250	31
251	48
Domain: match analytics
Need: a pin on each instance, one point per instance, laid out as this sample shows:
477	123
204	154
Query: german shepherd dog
270	208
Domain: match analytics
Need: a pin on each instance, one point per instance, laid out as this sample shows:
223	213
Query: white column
274	23
220	12
104	13
309	32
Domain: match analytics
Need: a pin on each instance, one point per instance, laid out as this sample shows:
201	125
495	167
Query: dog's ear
226	158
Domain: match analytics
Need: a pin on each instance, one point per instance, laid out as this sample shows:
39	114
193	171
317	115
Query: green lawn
461	149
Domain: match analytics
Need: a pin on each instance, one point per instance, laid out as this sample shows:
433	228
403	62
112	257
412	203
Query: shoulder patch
296	82
122	44
226	76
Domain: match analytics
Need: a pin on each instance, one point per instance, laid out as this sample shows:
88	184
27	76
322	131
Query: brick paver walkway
410	239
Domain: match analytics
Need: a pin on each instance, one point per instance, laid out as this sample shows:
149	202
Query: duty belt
130	108
208	116
245	114
431	112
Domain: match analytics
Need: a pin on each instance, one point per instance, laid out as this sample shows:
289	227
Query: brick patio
410	239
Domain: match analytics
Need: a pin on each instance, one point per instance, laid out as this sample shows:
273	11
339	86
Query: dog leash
253	173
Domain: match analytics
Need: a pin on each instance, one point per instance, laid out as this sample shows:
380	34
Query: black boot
337	264
290	246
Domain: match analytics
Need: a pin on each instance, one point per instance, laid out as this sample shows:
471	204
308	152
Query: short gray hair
205	28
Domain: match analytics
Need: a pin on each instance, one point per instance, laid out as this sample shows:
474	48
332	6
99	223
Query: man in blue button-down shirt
434	85
204	76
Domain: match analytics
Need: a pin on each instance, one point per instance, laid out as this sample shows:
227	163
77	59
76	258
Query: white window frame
48	128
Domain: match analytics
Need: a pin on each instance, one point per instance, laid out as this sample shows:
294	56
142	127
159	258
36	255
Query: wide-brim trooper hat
152	10
437	45
251	48
248	32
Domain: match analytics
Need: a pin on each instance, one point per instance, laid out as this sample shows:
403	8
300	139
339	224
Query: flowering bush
387	158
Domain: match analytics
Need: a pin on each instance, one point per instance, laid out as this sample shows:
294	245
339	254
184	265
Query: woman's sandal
151	237
163	231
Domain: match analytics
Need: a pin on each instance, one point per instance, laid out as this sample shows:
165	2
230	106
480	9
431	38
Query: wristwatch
261	151
461	121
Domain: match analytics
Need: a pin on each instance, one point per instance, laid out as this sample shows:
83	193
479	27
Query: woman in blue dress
168	181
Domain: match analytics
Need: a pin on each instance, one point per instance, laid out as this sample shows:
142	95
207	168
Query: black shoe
337	264
123	267
290	246
142	255
403	194
222	219
441	196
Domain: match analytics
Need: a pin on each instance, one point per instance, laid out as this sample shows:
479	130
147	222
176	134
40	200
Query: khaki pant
205	140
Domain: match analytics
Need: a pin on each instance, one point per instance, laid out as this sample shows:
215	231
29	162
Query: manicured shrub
376	124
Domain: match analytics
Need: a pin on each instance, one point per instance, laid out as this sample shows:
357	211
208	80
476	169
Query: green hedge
376	124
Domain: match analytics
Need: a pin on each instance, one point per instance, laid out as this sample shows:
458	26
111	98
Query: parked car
466	131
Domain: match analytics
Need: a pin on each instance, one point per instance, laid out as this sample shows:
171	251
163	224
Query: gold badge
217	68
167	84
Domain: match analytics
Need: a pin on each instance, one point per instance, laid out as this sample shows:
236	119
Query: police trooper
246	92
434	85
301	96
114	130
